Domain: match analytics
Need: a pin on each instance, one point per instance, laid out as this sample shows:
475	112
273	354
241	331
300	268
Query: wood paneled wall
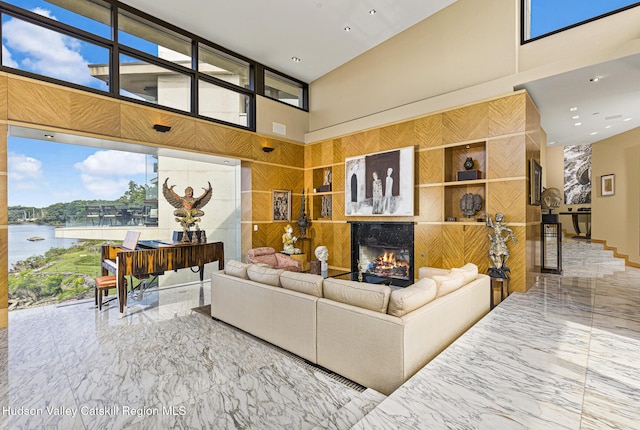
509	126
32	103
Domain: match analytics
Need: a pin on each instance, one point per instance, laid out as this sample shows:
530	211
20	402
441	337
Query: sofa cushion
448	283
367	296
264	275
236	268
430	272
469	270
405	300
302	282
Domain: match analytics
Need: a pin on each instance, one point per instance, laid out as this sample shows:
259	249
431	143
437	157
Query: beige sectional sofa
372	334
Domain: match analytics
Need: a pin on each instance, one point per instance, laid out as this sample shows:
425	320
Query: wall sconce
161	128
267	149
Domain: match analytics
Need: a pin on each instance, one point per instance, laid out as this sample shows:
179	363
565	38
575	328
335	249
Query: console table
575	217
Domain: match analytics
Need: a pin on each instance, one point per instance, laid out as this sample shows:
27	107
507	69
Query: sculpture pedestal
200	235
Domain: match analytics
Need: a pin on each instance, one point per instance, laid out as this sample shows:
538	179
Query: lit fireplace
383	250
385	262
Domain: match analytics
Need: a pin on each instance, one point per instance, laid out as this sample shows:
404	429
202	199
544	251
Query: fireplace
384	251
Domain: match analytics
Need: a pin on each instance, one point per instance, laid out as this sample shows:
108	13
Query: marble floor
163	366
564	355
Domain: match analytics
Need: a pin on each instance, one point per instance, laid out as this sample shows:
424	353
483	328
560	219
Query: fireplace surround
384	250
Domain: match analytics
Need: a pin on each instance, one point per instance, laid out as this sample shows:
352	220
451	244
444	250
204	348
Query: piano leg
122	291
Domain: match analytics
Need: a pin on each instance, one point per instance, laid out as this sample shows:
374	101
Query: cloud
23	168
45	51
7	59
107	173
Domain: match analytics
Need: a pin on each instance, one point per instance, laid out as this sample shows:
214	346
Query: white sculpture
322	254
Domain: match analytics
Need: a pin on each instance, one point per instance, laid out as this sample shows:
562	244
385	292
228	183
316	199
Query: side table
502	283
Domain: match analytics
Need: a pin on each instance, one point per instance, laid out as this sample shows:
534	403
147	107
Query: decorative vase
468	164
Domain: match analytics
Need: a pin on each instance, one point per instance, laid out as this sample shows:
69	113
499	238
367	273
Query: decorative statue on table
498	250
322	254
188	210
288	239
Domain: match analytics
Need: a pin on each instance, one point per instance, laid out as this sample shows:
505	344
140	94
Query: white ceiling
273	31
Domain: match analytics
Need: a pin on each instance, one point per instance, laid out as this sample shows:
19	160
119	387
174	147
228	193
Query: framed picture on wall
281	205
608	184
535	181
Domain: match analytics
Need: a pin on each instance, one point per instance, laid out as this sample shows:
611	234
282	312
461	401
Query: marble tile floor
163	366
564	355
573	362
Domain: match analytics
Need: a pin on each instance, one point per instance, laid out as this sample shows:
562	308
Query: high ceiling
273	31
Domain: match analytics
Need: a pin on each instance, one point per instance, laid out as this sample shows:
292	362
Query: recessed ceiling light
593	133
573	109
609	126
627	119
372	12
577	124
594	79
575	117
347	28
553	142
295	59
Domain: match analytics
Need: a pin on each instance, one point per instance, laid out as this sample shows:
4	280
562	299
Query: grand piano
153	257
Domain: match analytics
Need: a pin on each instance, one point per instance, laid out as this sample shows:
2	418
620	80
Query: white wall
221	220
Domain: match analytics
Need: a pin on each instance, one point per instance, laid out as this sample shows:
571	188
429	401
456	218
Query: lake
20	248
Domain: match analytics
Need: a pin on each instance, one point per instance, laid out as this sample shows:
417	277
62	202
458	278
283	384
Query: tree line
61	213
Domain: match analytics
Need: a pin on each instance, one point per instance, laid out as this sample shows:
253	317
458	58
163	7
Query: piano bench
103	285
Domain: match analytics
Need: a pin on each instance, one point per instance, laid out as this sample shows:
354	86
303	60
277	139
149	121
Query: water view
20	248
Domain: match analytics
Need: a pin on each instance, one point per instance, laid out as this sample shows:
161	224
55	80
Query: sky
42	173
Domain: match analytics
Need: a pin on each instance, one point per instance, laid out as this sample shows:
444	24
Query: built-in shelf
454	168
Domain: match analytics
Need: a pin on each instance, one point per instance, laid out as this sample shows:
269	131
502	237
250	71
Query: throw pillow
305	283
265	275
237	269
367	296
469	270
449	283
405	300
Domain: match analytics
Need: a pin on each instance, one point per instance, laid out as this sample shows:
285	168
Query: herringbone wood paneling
3	97
534	129
428	131
466	123
338	206
38	103
137	125
476	246
246	232
223	140
338	151
517	260
341	245
267	177
508	198
507	157
261	206
95	114
507	115
429	166
397	136
338	177
3	152
428	244
430	204
453	246
354	145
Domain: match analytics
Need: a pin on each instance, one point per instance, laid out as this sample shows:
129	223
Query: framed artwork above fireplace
380	183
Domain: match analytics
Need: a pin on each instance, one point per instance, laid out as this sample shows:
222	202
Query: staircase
581	258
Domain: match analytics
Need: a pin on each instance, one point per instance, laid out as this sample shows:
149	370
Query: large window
286	90
544	17
72	42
